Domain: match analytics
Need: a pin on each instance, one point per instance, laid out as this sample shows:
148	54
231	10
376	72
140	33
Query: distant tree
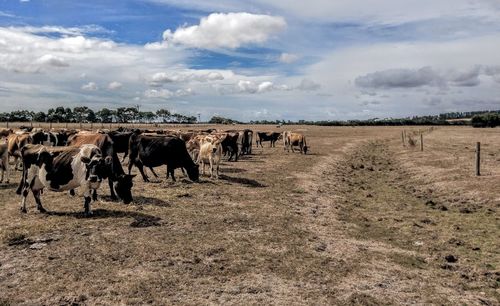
40	117
164	114
105	115
147	116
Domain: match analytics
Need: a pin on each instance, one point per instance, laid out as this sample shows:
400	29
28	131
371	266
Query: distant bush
486	120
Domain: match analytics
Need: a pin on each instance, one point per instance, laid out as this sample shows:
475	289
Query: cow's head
123	187
94	165
193	173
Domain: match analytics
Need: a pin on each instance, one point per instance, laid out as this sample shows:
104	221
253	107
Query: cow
154	151
60	171
230	145
211	153
120	184
45	138
5	132
14	144
120	142
296	139
4	161
268	136
246	141
285	140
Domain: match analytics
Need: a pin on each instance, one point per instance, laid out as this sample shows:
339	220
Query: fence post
478	158
421	142
50	125
7	123
403	138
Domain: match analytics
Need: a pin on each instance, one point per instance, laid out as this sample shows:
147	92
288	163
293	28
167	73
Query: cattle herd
62	160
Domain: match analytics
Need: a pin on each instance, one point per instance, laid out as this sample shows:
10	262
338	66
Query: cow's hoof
42	210
88	214
114	198
23	210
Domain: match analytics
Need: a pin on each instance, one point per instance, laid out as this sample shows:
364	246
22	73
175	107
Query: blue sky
253	59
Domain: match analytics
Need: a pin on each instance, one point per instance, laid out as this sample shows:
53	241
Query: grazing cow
118	181
154	151
65	170
285	136
4	161
211	153
246	141
120	142
14	144
268	136
298	140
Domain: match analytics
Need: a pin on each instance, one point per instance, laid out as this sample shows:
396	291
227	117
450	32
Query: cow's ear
85	159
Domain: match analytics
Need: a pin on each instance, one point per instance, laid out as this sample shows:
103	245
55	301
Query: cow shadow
234	170
9	185
142	200
140	219
241	180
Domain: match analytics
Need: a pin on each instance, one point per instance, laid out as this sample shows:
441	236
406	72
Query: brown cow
4	161
296	139
15	142
5	132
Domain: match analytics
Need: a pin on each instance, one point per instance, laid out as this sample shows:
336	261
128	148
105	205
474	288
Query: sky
253	59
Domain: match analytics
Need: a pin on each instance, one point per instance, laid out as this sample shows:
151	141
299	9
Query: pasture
360	219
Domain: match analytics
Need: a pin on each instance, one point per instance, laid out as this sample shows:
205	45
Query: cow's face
305	149
123	187
194	173
93	165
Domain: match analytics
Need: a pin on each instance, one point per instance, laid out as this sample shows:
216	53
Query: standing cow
272	137
155	151
60	171
297	140
4	161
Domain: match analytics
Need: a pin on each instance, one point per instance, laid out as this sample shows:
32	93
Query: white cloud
167	94
51	60
115	85
308	85
231	30
288	58
90	86
160	78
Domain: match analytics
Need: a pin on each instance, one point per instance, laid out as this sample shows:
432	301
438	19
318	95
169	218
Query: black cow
120	142
154	151
268	136
118	181
230	145
61	170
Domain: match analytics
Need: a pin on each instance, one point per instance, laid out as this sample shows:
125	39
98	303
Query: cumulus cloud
251	87
160	78
426	76
400	78
232	30
115	85
51	60
308	85
90	86
288	58
167	94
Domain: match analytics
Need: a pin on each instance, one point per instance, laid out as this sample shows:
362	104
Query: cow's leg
141	170
154	173
170	171
94	195
22	182
111	190
86	203
130	164
210	160
36	195
26	189
124	156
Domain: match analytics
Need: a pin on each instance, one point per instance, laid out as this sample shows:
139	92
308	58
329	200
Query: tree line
105	115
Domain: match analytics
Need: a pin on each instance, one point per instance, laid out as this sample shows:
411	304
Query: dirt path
388	243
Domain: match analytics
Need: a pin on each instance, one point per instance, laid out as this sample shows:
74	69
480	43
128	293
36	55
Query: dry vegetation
360	220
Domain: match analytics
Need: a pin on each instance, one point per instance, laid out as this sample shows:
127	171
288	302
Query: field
361	220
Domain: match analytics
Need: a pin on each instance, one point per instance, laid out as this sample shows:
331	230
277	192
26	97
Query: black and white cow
45	138
60	170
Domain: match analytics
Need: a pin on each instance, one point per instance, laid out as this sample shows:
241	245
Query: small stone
38	246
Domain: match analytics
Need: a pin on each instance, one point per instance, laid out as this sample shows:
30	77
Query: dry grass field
361	220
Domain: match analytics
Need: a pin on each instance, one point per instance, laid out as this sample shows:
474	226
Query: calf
14	144
154	151
230	145
272	137
4	161
211	153
61	171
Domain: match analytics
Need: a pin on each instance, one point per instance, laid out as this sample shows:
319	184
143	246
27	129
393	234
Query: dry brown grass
358	221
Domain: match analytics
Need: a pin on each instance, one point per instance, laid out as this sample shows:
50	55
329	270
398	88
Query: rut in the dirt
380	200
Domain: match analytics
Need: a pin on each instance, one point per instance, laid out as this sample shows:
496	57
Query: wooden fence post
403	138
7	123
478	158
421	142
